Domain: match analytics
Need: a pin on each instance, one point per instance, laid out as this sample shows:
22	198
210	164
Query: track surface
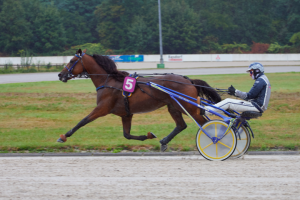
136	178
35	77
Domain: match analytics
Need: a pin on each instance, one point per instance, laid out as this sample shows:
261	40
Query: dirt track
189	177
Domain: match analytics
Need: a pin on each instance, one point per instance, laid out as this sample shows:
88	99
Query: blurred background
57	27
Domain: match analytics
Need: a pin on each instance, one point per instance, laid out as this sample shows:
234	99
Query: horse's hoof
151	135
62	139
59	140
163	147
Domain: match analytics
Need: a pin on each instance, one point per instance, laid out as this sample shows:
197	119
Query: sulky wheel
223	148
243	143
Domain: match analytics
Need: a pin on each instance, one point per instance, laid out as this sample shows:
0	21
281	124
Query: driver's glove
231	90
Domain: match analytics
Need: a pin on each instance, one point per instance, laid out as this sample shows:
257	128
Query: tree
216	19
29	25
49	34
92	48
210	45
15	29
46	27
276	48
110	26
182	31
141	37
235	48
295	39
78	19
116	18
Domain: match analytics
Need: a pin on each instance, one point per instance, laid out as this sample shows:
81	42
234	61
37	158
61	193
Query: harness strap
105	86
98	88
140	88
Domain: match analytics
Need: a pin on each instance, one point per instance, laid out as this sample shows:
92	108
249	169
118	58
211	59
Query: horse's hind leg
180	126
126	130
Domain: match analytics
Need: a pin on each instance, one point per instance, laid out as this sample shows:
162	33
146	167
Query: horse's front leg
126	121
99	111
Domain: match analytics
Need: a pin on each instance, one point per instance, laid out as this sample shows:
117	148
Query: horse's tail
210	93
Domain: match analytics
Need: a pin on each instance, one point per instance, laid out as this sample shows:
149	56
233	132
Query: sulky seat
251	114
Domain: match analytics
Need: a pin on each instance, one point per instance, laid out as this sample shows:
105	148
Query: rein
217	89
86	75
154	74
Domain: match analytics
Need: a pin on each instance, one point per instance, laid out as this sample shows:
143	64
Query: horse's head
73	68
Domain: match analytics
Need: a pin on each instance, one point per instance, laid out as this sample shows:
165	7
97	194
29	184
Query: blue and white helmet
256	65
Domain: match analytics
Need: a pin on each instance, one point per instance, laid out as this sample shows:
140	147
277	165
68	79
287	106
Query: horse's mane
110	67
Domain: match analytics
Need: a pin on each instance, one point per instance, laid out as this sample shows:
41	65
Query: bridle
70	70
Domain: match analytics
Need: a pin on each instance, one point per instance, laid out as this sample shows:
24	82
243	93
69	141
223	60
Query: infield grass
33	115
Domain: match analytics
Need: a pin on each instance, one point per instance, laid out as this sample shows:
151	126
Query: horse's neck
101	76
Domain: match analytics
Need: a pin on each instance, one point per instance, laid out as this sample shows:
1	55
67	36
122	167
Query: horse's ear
84	51
79	51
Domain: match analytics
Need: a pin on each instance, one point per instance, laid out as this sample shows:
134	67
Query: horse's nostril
59	74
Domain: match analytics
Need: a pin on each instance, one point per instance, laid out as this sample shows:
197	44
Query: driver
257	99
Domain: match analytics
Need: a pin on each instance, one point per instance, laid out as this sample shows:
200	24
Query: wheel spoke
216	131
207	145
237	150
223	144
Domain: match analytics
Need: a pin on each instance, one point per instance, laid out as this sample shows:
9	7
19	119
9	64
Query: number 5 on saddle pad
129	84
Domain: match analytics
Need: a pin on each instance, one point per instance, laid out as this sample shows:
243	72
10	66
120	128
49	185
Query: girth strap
127	106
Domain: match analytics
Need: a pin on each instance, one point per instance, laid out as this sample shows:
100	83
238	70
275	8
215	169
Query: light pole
161	65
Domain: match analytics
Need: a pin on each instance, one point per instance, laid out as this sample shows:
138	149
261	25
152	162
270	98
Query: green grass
33	115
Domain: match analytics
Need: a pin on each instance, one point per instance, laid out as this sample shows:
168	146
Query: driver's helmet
256	65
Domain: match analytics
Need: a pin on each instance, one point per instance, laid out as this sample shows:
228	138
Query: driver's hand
231	90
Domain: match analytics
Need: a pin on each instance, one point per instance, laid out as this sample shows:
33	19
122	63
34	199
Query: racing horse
110	100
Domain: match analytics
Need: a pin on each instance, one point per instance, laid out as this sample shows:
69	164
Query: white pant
233	104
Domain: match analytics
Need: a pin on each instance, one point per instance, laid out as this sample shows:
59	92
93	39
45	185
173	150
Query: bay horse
109	82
